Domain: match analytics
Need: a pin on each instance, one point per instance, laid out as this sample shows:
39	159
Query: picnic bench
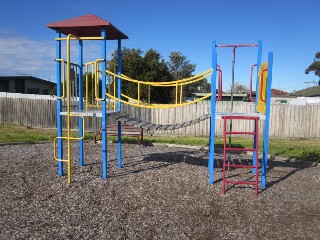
126	130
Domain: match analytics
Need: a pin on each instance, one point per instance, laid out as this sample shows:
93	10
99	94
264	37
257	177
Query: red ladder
226	165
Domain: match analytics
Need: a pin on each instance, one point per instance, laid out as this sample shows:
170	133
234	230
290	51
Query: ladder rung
241	117
241	149
240	166
61	160
241	182
244	133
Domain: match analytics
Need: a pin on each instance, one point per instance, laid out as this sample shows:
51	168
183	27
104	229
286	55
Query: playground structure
105	98
262	112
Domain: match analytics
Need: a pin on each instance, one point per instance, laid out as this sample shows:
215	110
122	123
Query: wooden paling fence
38	112
287	121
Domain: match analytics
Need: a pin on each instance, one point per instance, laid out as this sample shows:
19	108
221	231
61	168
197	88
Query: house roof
278	92
88	25
27	77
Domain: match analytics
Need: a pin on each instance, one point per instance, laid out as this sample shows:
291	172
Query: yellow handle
97	79
63	80
263	75
55	149
68	138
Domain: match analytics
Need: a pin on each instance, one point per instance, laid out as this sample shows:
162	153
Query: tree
90	77
180	68
132	66
239	88
150	67
53	90
315	66
156	70
204	86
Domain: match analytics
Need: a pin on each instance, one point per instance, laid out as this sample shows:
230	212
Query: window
33	91
19	85
4	85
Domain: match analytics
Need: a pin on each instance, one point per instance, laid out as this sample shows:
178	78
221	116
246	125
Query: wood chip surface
160	193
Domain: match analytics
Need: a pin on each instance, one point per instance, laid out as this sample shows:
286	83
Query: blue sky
288	28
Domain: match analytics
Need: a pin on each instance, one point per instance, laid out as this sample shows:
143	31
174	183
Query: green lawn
9	134
303	149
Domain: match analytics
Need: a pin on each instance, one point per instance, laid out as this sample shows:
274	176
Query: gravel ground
161	193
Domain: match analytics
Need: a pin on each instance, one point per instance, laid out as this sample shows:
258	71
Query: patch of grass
301	149
10	134
17	134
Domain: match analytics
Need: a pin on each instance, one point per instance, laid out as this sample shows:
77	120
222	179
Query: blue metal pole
80	103
267	123
103	104
213	114
119	104
59	103
254	155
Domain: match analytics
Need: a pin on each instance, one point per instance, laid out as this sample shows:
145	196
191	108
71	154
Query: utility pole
314	82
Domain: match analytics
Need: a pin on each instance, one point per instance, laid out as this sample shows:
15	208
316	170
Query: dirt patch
160	193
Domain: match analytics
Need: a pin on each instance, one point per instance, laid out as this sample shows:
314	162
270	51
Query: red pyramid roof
87	25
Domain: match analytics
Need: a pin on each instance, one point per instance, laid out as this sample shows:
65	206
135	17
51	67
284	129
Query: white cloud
19	54
22	55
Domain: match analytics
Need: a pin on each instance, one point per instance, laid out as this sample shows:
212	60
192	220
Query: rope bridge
125	118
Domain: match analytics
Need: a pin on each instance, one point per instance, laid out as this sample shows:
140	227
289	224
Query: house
280	97
305	101
225	96
307	96
277	96
25	84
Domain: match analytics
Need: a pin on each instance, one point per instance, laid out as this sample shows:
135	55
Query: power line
313	82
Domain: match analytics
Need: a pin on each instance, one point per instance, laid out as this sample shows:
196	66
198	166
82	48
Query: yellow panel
263	74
